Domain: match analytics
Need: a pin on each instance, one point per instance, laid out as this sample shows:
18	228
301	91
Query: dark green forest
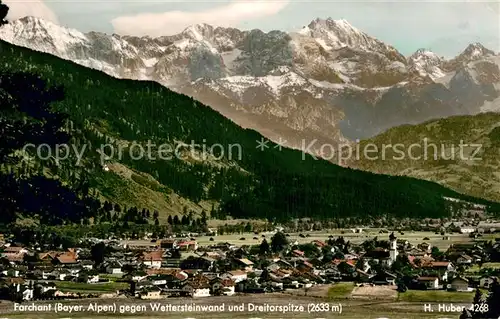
278	185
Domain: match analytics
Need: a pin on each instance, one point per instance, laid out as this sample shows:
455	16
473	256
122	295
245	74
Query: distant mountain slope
328	81
475	174
273	183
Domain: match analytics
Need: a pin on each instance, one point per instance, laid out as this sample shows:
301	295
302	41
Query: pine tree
176	220
493	300
477	304
278	242
203	217
264	247
185	220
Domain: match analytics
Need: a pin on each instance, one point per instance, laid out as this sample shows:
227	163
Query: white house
138	276
153	259
245	264
150	293
464	260
226	286
197	289
159	281
92	279
71	271
486	281
237	275
152	263
28	293
460	284
56	274
87	264
443	268
467	230
46	286
188	245
429	282
114	268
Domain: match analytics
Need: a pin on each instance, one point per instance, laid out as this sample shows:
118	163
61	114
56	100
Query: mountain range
242	182
328	81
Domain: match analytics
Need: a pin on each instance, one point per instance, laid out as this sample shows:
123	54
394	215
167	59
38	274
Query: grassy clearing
435	296
356	238
111	277
340	290
91	288
476	268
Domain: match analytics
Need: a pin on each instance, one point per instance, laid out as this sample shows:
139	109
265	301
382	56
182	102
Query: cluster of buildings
174	267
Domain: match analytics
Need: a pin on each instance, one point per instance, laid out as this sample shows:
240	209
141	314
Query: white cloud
36	8
172	22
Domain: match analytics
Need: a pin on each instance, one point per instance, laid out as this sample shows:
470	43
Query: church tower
393	248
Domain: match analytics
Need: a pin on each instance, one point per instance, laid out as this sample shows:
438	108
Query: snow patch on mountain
477	50
230	57
274	83
150	62
41	35
491	106
334	34
426	63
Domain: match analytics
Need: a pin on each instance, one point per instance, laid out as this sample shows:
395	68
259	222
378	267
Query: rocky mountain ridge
328	81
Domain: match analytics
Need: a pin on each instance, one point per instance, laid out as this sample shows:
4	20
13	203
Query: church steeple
393	247
392	237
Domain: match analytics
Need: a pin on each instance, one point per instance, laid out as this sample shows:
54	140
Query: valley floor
414	237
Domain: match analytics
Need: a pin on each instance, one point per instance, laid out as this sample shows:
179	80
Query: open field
341	290
82	287
351	309
431	296
476	268
356	238
375	292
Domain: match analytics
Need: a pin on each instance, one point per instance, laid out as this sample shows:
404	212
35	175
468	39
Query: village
179	266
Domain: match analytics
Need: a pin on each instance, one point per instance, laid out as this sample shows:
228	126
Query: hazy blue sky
446	27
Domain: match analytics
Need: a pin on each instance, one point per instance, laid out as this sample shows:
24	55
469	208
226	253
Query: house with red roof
152	259
188	245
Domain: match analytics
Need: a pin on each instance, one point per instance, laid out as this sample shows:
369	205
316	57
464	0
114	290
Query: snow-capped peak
335	34
475	51
425	54
199	31
332	24
33	26
426	63
41	35
339	27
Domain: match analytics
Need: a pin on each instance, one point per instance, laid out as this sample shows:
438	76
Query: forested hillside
473	170
272	184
